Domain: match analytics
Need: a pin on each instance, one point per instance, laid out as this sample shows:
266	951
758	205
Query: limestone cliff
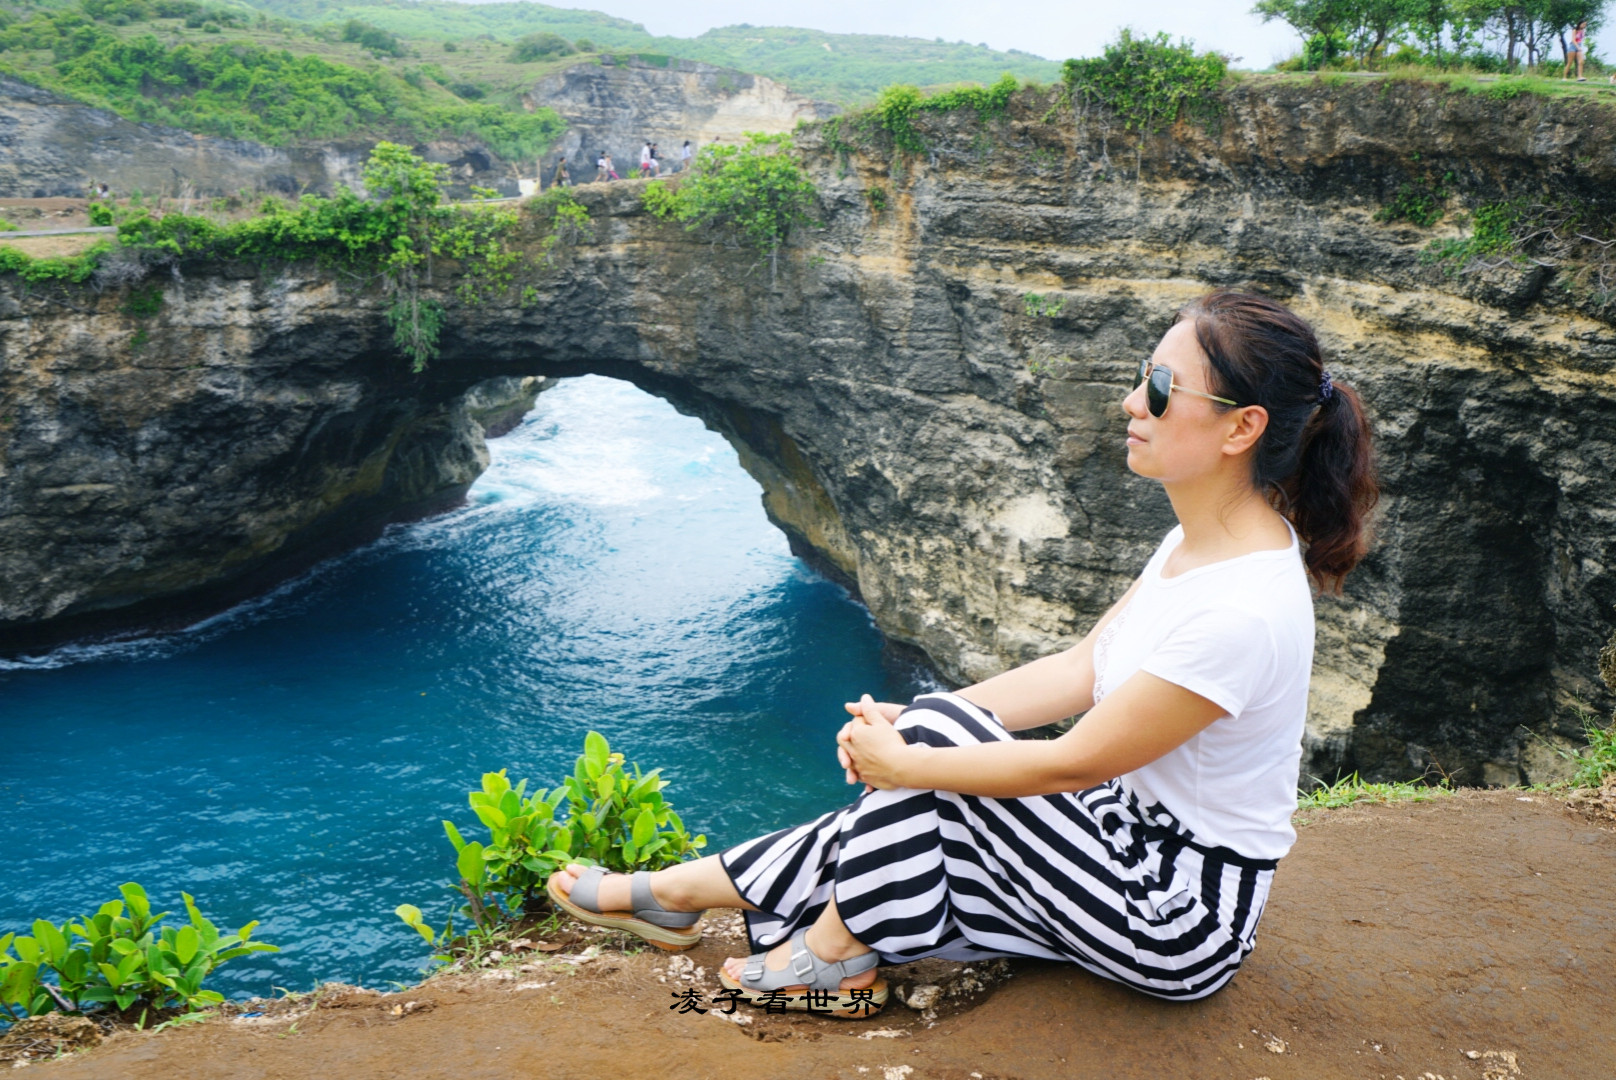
947	444
617	104
52	145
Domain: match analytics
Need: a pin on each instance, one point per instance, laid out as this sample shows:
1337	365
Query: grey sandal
817	983
671	930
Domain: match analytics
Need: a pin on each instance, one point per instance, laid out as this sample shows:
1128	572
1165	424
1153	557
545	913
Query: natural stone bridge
951	448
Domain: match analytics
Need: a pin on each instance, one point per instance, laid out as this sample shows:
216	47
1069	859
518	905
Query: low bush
1418	202
602	815
118	958
544	45
1148	81
756	192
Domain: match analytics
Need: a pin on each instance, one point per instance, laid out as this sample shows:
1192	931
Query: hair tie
1326	388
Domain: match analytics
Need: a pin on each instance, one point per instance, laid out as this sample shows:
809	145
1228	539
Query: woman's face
1192	438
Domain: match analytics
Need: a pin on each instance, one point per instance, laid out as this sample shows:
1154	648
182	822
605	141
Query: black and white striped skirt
1089	877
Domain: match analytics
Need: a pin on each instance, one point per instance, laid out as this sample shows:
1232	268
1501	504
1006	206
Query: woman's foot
614	888
624	902
780	956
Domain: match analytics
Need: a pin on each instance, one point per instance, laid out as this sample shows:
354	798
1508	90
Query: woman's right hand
886	709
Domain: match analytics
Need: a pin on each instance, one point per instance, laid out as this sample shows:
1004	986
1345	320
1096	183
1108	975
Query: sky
1052	30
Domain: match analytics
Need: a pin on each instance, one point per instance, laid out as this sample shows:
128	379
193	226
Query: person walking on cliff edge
1577	52
1141	844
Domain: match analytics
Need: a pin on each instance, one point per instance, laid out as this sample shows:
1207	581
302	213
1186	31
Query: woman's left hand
875	747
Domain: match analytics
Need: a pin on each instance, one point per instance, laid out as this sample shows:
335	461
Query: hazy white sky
1055	31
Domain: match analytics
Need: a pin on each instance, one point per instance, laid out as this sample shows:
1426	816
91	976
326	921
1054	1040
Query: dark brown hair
1314	462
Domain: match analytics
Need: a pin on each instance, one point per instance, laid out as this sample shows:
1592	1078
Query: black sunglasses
1159	386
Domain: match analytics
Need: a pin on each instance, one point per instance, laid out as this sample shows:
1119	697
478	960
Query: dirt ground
1466	938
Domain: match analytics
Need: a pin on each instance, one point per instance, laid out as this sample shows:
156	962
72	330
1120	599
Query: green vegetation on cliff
757	192
1486	35
1147	81
844	68
602	815
109	53
117	960
388	239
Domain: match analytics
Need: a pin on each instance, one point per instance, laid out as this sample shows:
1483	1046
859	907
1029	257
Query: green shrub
583	44
757	191
540	46
100	214
117	959
6	226
144	303
569	218
379	41
1321	49
74	269
601	815
1147	81
1419	202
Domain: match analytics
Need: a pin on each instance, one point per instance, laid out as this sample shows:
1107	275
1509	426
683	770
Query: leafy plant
144	303
1146	81
896	108
569	219
6	226
114	958
1419	202
1038	306
603	814
100	214
756	191
876	196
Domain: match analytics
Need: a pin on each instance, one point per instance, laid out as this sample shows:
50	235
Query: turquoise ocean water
290	760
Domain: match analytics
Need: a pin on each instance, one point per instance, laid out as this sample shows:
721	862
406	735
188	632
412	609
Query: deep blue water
290	761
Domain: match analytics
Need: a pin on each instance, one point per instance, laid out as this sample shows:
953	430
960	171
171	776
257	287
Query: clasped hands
869	747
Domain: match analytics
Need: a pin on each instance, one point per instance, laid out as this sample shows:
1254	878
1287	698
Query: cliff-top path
1467	938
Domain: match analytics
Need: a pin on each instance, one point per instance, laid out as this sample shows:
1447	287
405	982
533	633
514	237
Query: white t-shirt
1240	634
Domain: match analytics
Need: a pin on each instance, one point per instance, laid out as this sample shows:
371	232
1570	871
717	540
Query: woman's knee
946	719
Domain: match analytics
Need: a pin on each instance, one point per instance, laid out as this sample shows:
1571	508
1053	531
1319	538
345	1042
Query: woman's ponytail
1315	461
1334	488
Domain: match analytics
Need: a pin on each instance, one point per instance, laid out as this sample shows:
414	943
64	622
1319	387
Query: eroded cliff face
949	446
615	105
51	145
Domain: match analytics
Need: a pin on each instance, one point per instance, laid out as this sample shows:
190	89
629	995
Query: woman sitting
1141	843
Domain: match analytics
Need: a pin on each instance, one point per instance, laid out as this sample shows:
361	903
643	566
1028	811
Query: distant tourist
685	154
645	160
102	191
603	168
1141	844
1576	53
562	177
656	163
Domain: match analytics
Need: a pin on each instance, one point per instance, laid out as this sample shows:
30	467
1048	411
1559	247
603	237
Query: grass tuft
1355	789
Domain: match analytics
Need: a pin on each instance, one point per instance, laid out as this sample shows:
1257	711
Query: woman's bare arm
1137	723
1048	689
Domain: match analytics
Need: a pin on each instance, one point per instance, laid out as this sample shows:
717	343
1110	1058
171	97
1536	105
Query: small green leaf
471	865
454	836
135	897
596	753
644	830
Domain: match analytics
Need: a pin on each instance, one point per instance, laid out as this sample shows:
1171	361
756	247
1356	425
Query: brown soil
43	247
1467	938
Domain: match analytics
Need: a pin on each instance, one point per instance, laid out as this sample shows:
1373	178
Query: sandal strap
646	907
805	968
586	890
